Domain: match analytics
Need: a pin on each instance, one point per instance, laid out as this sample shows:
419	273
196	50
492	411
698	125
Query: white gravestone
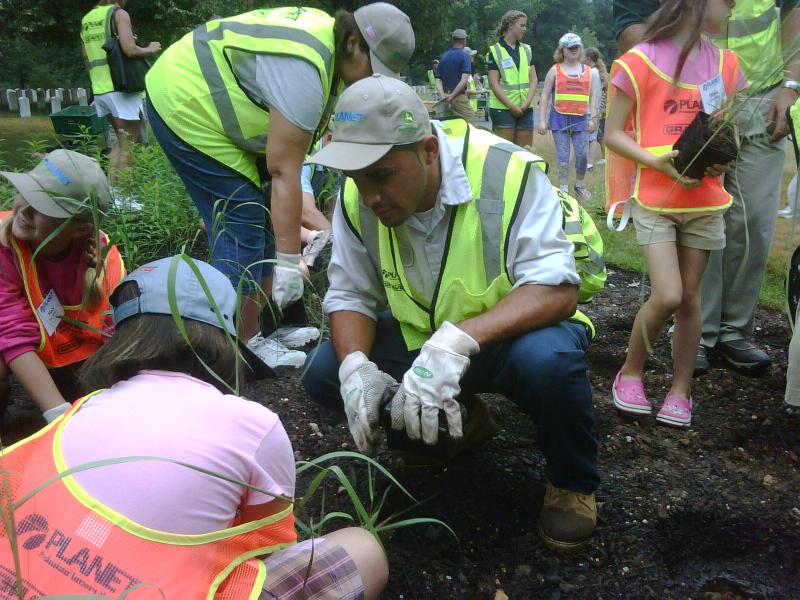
82	99
13	104
24	107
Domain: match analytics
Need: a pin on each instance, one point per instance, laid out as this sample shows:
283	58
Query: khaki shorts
700	230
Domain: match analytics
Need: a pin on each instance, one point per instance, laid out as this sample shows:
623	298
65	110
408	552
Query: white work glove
432	384
287	280
363	387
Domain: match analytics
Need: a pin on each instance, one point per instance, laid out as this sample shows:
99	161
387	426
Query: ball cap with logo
155	282
570	40
63	184
389	35
372	116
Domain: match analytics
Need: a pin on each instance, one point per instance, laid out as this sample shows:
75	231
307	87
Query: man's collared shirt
538	251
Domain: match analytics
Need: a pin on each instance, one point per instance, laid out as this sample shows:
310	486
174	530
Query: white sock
51	414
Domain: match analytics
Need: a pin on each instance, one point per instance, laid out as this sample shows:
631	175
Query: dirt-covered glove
363	387
432	384
287	280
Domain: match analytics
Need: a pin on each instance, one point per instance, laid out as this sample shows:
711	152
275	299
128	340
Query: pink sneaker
629	396
676	411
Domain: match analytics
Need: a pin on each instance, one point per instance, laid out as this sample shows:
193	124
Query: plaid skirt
316	569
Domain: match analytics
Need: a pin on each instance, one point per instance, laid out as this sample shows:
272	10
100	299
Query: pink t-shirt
700	66
173	415
19	331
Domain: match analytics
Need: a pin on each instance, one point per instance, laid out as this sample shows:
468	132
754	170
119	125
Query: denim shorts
503	119
232	207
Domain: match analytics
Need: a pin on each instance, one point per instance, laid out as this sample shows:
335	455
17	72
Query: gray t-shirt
291	86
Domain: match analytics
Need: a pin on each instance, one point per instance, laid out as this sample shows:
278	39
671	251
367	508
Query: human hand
541	129
717	170
363	386
777	126
154	47
432	384
516	111
287	280
665	166
591	125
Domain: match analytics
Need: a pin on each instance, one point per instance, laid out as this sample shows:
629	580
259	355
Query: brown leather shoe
568	518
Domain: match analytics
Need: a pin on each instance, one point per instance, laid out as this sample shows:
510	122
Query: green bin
68	122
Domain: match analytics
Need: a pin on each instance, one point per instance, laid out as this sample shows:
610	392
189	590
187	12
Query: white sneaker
564	188
600	162
316	242
294	337
274	353
786	213
582	193
589	166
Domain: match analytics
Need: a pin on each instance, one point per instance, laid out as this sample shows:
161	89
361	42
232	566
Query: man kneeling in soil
459	234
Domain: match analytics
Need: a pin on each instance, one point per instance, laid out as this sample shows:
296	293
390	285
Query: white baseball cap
372	116
389	35
570	40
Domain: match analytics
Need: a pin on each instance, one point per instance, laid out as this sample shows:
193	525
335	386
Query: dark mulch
711	512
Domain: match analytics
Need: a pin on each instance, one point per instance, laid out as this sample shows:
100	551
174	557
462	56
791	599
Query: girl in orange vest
572	114
186	533
51	266
657	89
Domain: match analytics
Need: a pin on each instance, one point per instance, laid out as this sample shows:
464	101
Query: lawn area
17	135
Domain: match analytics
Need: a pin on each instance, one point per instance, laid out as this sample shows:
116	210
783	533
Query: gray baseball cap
459	34
63	184
372	116
389	35
153	283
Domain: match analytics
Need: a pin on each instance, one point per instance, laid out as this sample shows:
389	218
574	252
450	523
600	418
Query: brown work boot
568	518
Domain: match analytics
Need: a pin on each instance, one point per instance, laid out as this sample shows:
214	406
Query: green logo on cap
409	122
408	117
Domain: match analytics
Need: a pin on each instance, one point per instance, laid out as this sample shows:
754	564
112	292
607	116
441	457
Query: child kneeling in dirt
56	272
660	85
187	532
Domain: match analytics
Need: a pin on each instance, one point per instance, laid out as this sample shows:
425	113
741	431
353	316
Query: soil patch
711	512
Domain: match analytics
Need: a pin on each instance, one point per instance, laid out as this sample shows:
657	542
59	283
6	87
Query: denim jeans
580	146
542	371
231	206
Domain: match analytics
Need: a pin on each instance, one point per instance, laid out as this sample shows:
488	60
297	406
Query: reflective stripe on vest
76	544
754	33
472	278
95	30
69	343
661	112
572	93
204	86
514	81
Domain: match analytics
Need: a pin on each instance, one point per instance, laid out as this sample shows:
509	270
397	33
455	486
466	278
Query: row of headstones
19	100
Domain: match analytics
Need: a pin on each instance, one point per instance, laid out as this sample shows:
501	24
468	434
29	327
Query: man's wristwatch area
792	85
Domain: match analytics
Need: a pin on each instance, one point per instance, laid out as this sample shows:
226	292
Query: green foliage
167	222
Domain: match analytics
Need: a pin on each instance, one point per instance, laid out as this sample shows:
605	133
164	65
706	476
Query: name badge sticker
713	94
50	312
508	63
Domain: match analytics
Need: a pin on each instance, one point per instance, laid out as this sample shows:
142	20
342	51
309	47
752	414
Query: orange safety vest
572	93
70	543
660	114
69	343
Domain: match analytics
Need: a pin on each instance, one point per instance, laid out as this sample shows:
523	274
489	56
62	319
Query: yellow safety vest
754	33
794	121
513	81
431	79
473	277
95	30
203	85
473	100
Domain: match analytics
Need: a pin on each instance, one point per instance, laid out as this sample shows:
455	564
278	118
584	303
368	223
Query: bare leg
524	137
252	305
368	557
121	158
665	297
687	320
505	133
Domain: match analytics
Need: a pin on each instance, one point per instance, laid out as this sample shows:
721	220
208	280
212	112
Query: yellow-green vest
431	79
513	81
473	100
473	277
95	30
194	89
754	33
794	123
